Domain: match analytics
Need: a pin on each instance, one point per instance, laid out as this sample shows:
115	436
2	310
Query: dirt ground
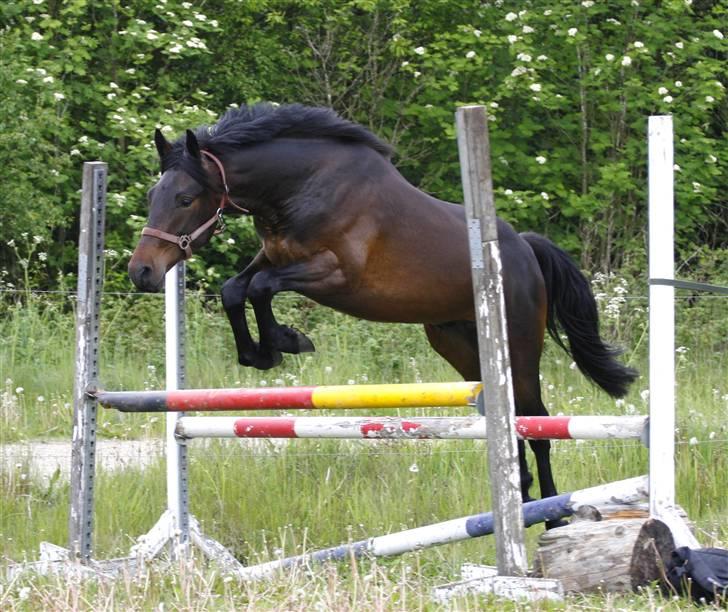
40	460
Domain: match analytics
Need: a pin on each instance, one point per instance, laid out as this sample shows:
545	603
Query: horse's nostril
141	276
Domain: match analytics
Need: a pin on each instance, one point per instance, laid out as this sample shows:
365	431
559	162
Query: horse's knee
232	293
260	288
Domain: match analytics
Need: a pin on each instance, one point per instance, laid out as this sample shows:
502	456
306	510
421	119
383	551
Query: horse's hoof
290	340
268	360
556	523
246	360
249	356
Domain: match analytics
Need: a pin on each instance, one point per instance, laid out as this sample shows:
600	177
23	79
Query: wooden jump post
495	367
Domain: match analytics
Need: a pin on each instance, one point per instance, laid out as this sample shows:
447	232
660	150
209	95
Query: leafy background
568	85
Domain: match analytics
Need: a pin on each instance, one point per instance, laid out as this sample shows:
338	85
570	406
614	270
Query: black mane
264	122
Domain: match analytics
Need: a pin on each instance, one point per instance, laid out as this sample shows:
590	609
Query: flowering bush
568	86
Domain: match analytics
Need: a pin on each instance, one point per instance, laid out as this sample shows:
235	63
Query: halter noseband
185	241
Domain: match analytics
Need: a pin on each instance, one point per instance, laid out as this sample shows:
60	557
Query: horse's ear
193	147
163	146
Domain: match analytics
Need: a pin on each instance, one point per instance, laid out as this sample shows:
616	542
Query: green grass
262	500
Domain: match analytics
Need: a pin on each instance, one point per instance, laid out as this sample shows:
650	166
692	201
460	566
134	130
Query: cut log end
617	551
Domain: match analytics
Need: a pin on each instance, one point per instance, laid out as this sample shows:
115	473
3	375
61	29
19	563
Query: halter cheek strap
184	241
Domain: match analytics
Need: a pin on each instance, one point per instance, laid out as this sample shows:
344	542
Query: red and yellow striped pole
295	398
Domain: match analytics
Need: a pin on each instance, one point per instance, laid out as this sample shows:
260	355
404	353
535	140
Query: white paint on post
662	321
474	150
90	284
662	330
177	502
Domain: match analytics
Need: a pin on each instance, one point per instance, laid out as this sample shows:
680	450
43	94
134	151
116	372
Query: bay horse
341	226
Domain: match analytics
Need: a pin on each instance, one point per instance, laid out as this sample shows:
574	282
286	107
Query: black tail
571	303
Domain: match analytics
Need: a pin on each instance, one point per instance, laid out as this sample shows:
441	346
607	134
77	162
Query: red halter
185	241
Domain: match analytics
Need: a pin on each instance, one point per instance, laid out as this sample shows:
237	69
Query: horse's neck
286	178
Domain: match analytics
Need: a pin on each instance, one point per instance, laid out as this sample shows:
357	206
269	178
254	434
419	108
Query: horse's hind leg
457	342
525	357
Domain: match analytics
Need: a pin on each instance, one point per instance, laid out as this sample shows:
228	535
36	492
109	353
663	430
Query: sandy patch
41	460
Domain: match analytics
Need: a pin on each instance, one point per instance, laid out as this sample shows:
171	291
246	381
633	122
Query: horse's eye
186	201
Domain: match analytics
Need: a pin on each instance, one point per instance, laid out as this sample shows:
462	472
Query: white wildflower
470	54
572	31
662	91
535	87
511	17
512	38
609	57
626	60
420	50
36	36
541	160
718	34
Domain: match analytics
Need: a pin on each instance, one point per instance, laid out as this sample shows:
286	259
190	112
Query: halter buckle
220	222
184	241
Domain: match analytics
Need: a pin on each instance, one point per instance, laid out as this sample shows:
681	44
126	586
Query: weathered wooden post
90	284
474	149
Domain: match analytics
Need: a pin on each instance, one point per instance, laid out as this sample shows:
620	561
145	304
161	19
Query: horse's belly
388	309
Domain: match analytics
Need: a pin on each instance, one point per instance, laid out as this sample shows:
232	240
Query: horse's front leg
318	275
234	294
285	339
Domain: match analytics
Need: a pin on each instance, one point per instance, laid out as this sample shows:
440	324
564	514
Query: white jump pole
662	329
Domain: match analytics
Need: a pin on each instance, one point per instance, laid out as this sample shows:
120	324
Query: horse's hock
604	551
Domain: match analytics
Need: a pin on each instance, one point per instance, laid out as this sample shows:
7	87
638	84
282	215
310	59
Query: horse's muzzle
144	277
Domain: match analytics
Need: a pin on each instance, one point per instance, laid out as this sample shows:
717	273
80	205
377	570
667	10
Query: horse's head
183	210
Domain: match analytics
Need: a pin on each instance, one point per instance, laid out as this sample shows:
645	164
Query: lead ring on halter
184	241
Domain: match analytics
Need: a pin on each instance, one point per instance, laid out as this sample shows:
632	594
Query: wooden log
615	551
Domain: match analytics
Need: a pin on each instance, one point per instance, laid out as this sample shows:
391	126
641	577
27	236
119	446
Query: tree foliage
568	85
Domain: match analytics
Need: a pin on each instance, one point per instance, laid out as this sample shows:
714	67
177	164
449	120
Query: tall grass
263	500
